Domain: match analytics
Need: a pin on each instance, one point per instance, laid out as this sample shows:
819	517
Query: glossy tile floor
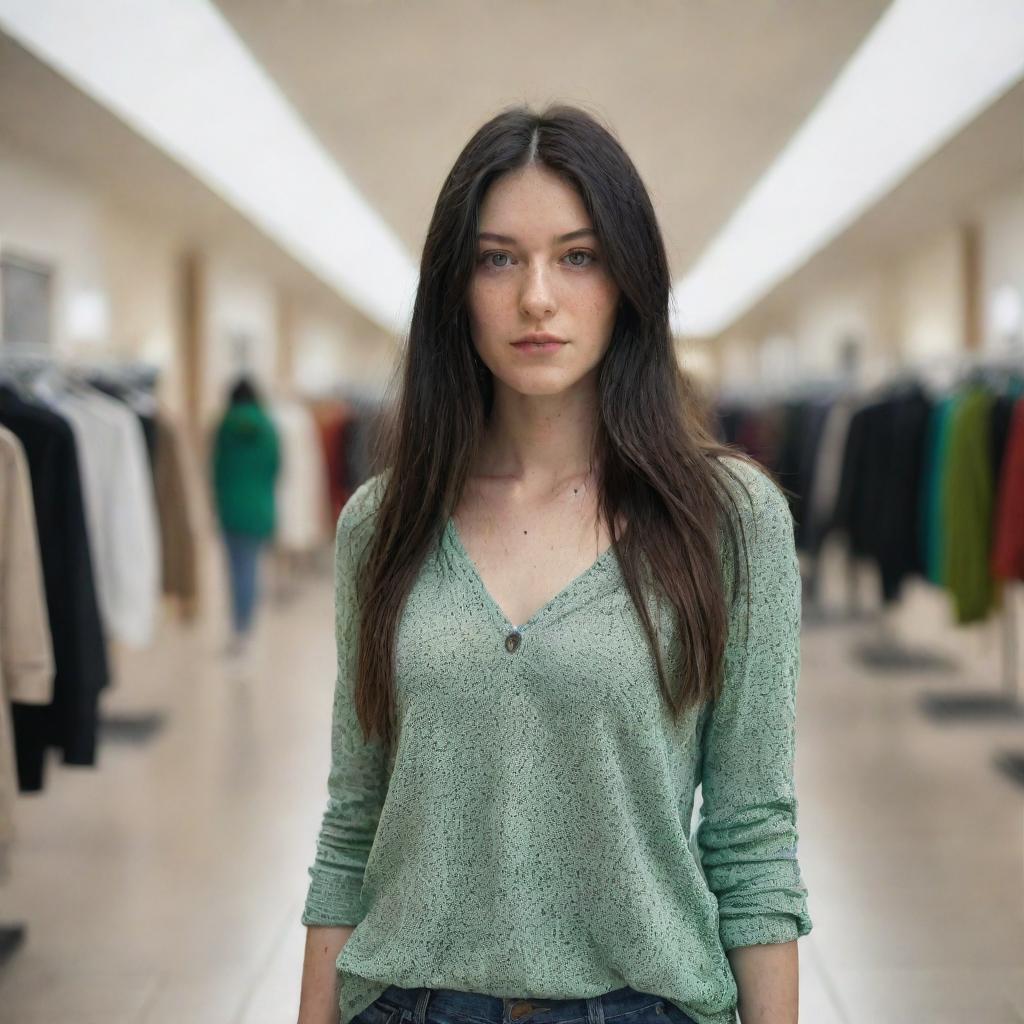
165	886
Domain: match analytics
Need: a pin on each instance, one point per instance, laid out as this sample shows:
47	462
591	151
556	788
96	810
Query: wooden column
192	349
285	364
970	262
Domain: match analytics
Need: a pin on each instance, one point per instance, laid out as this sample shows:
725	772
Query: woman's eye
489	256
576	258
580	252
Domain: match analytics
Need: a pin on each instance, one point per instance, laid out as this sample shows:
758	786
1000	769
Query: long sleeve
26	646
357	780
747	831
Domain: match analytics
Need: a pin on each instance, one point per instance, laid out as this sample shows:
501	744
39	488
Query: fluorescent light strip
926	69
176	73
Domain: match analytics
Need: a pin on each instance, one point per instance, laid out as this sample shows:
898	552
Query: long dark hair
244	392
656	459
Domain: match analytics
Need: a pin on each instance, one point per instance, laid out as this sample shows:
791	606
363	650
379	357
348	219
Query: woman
246	461
527	700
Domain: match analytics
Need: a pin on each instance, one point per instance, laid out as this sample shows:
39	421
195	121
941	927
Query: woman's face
531	277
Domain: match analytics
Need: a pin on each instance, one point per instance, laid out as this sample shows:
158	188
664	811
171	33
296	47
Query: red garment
759	434
1008	548
332	418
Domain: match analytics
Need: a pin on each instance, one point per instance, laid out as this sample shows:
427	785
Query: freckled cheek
489	308
597	302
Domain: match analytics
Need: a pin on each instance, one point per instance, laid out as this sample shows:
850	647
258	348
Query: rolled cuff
332	901
762	929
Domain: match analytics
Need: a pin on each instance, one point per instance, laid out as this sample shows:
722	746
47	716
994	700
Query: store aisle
166	885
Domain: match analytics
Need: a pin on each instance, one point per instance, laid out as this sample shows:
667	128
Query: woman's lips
537	346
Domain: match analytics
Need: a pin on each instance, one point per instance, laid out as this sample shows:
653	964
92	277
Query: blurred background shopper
246	461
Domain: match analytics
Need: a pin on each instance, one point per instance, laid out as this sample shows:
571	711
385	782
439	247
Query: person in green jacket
246	460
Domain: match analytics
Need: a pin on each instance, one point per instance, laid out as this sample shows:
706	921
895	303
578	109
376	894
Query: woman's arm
747	833
356	789
318	1001
768	980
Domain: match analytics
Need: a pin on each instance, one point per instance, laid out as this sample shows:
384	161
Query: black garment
802	425
79	643
879	486
727	422
788	454
1000	416
809	534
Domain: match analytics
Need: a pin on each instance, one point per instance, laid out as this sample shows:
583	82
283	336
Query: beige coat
26	647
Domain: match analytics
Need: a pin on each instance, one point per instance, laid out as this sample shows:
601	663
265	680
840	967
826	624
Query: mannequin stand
12	937
1003	706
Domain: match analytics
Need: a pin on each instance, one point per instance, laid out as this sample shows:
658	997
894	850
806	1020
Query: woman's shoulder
356	518
756	501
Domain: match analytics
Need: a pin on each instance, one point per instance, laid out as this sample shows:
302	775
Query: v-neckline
496	609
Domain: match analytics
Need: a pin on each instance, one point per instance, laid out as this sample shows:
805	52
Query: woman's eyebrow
492	236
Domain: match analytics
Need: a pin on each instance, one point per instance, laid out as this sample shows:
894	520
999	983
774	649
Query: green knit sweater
530	834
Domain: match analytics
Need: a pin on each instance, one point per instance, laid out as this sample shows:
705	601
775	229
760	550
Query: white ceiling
702	95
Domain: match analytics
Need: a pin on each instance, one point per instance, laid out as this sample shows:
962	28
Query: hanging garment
1000	419
811	427
301	497
333	419
1008	546
759	434
880	484
124	532
933	471
897	542
792	438
967	502
142	403
26	646
178	541
828	470
79	643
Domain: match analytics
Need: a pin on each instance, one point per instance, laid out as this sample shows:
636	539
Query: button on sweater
529	834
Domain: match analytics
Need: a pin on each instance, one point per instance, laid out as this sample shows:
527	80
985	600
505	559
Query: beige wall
47	218
240	330
116	285
1001	222
120	291
143	278
928	292
911	309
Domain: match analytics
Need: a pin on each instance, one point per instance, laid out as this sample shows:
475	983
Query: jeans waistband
507	1010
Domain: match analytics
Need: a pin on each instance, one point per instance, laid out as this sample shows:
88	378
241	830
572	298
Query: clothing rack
21	361
1007	704
13	933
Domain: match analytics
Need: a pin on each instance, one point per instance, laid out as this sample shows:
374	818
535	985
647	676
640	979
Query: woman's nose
537	299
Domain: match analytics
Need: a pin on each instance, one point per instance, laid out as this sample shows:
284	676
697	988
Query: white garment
301	490
120	510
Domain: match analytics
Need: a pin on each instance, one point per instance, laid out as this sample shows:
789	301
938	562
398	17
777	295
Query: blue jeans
243	565
447	1006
